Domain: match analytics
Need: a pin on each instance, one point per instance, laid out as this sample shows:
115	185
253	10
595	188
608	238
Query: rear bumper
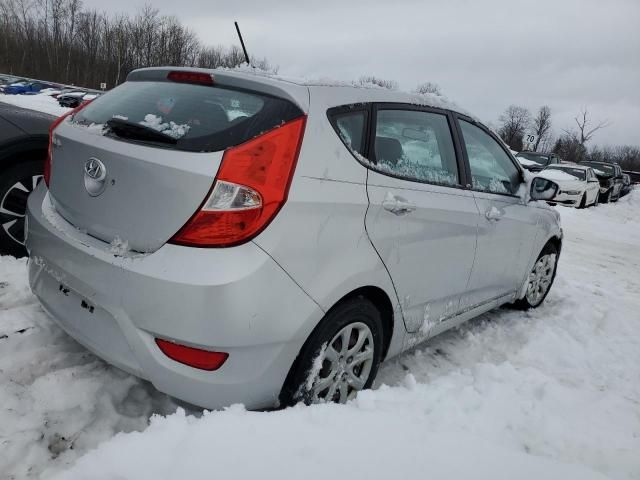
235	300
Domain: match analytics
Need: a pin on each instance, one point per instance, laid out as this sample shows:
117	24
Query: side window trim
463	147
373	119
334	112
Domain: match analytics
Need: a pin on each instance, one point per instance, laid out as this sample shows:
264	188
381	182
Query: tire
596	200
534	301
311	372
617	197
16	183
606	197
583	202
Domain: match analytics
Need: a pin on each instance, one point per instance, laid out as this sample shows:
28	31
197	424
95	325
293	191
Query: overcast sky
485	54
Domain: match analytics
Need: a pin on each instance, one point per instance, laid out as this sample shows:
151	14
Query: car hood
564	180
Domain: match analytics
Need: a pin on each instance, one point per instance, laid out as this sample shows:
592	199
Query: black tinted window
350	127
198	117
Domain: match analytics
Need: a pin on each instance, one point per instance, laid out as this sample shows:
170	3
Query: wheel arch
13	152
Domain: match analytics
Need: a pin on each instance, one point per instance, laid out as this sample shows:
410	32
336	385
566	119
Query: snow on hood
524	161
559	176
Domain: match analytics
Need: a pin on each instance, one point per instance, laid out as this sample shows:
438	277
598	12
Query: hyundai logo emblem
95	174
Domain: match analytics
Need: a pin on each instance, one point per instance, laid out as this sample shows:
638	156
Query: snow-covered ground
41	102
548	394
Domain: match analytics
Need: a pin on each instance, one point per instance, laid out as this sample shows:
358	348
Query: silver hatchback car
238	238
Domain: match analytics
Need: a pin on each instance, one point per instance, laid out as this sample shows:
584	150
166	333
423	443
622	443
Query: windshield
199	118
576	172
534	157
603	167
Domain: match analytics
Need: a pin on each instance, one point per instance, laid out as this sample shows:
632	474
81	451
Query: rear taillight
200	78
251	187
194	357
52	127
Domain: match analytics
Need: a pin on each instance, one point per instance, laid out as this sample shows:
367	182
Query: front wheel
340	358
540	278
583	202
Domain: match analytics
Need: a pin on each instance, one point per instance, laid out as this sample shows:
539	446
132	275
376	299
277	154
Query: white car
579	185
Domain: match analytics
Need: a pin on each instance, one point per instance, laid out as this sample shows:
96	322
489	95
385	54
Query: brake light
194	357
52	127
190	77
249	190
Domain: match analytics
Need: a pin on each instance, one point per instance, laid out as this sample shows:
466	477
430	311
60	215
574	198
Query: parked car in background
24	135
236	238
626	184
536	161
610	177
579	186
8	80
22	88
75	98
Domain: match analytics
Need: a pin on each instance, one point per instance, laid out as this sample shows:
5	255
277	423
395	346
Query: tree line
60	41
572	144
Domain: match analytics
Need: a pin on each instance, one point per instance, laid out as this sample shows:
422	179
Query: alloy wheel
344	365
540	278
13	206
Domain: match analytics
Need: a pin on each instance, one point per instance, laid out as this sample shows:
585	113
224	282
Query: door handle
493	214
397	205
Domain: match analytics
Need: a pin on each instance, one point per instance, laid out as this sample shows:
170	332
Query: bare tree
61	41
514	122
585	129
380	82
428	87
542	126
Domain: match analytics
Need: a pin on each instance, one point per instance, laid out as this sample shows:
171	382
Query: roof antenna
244	49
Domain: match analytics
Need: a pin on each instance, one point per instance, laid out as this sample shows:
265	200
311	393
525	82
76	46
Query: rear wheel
540	278
340	358
16	183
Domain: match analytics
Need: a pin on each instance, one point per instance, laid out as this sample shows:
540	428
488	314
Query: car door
507	227
421	220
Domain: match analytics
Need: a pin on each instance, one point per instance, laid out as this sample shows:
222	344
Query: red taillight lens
194	357
52	127
251	187
190	77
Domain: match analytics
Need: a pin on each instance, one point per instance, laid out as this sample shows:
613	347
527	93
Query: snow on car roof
361	91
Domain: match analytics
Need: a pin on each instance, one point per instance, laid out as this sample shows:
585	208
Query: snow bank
40	102
550	393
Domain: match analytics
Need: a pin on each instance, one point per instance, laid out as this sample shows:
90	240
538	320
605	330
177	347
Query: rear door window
195	118
415	145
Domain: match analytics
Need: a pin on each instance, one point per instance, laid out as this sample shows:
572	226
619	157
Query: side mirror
543	189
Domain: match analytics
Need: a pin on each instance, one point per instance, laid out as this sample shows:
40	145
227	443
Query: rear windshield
607	169
540	159
197	118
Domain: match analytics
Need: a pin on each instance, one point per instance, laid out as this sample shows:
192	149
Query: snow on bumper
233	300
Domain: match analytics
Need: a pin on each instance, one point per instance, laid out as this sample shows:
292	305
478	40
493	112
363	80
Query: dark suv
537	161
24	136
611	180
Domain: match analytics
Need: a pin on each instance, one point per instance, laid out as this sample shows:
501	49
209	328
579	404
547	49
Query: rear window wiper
135	131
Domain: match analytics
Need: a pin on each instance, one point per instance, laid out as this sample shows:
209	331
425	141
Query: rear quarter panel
319	237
